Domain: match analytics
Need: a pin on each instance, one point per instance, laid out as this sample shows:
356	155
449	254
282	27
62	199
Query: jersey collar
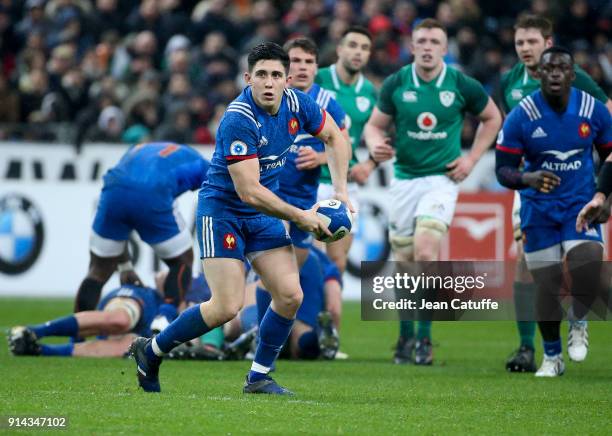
336	79
439	81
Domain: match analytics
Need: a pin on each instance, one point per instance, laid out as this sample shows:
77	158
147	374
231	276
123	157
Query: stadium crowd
132	71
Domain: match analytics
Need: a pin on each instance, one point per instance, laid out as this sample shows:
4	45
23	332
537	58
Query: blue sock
273	332
309	345
57	350
168	311
66	326
248	317
552	348
187	326
263	299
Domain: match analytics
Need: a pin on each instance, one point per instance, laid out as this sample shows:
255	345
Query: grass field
466	391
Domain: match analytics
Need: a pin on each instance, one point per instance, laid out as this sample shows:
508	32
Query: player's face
556	74
529	45
429	47
354	52
302	69
267	81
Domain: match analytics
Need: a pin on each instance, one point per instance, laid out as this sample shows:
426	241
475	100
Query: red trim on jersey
508	149
604	146
316	132
238	158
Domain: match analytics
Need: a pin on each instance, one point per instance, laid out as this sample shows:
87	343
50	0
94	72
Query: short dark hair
430	23
268	51
529	21
357	29
305	43
557	49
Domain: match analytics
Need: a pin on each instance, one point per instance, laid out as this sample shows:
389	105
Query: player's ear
548	43
247	78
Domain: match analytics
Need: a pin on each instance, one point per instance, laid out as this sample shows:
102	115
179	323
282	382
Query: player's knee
290	302
427	236
402	246
118	321
229	311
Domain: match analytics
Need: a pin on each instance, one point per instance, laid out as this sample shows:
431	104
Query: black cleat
23	342
146	370
403	351
265	386
522	360
329	341
423	352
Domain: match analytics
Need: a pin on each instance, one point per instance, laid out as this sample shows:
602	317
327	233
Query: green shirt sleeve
474	94
503	86
584	82
385	98
318	79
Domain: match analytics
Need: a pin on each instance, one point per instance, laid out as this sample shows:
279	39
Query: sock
309	345
215	337
524	304
66	326
88	295
407	329
552	348
177	283
423	330
57	350
248	318
273	332
263	299
168	311
187	326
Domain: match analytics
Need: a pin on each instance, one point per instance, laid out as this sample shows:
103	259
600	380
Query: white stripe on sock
156	349
259	368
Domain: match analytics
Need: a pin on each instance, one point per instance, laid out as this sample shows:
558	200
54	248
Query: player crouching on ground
555	130
121	315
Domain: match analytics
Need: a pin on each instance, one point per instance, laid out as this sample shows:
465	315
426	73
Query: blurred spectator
214	15
105	17
10	105
33	87
109	126
176	127
141	109
34	21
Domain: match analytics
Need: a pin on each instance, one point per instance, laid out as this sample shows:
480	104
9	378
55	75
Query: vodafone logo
427	121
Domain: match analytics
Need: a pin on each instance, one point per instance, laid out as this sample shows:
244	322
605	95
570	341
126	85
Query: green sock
407	329
524	303
424	330
214	337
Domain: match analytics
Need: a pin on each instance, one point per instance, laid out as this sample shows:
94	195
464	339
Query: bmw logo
21	234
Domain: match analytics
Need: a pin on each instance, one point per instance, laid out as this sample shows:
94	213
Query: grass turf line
467	389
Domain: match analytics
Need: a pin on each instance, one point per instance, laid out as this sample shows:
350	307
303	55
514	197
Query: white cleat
552	366
159	323
578	341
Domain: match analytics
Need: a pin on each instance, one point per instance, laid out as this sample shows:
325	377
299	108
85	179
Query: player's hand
309	221
460	168
307	159
361	171
543	181
592	212
344	198
383	151
130	278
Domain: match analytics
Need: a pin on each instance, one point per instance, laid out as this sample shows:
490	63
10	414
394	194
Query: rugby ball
338	219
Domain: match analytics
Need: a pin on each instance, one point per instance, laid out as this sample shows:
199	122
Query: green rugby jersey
358	102
428	118
517	84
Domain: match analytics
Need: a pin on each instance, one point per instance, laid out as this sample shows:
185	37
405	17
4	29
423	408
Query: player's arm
338	149
376	139
309	159
245	175
490	122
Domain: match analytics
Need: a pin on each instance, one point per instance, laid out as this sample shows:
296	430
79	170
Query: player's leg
111	347
524	292
107	245
584	254
303	341
434	213
543	254
222	251
404	198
